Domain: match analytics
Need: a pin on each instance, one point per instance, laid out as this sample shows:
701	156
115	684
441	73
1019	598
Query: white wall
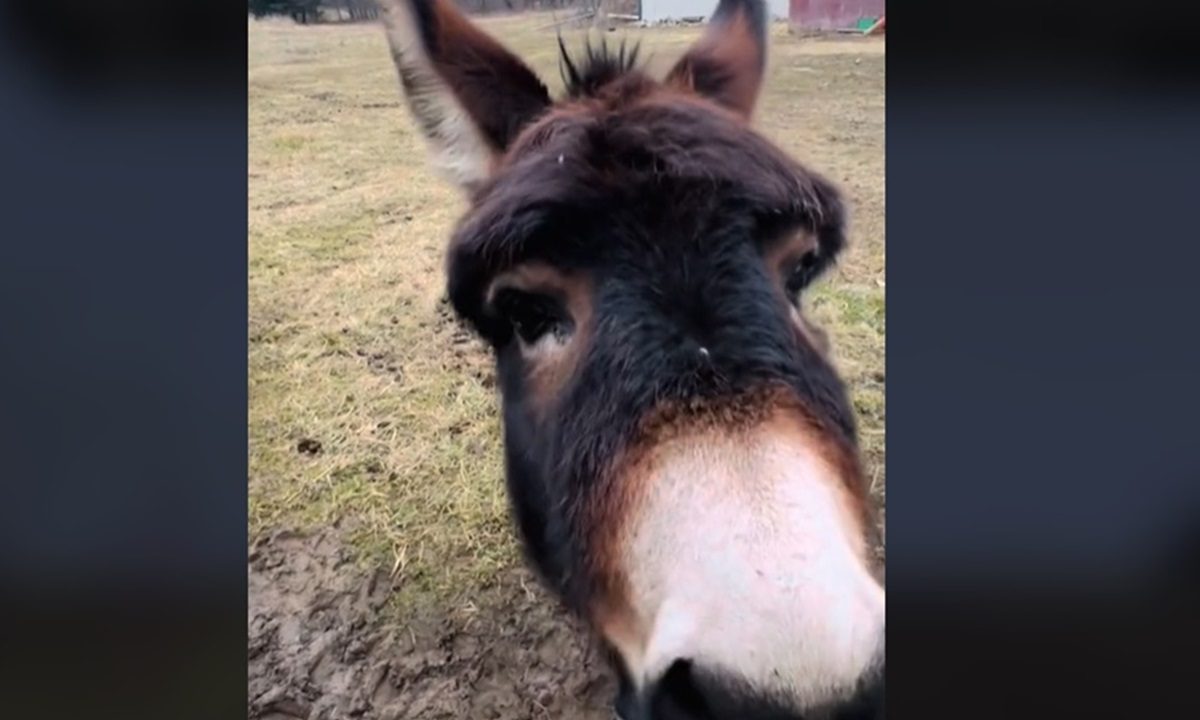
659	10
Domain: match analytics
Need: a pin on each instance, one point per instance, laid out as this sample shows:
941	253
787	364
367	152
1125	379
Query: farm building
655	11
802	14
834	14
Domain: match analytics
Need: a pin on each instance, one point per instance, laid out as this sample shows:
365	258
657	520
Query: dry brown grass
349	344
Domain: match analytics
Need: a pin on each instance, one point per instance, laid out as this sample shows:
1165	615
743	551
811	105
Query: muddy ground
319	648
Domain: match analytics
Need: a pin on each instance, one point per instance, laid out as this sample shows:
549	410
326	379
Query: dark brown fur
727	65
665	243
495	87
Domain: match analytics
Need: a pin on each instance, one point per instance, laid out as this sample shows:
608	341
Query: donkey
681	456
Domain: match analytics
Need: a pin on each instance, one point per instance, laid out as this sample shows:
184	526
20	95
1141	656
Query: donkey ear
727	64
470	95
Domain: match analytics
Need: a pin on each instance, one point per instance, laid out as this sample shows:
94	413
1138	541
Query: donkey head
681	456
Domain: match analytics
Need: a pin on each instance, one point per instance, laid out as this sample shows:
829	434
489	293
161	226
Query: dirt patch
320	647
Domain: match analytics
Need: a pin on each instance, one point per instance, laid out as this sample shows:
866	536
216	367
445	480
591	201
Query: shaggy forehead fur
618	138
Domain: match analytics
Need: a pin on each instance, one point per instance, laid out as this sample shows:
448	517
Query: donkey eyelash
801	272
532	315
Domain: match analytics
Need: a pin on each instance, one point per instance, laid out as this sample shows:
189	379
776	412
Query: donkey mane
599	66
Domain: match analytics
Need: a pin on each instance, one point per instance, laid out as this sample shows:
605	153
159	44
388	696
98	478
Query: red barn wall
832	14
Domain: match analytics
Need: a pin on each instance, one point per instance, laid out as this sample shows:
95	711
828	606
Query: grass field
354	359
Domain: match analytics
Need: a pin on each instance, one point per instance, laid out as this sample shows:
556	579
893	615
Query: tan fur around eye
548	373
780	257
815	336
786	252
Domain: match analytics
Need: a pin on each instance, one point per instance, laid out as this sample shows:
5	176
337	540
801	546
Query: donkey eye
801	273
531	315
